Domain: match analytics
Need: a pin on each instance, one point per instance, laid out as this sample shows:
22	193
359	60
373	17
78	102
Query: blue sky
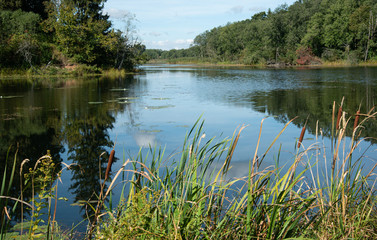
169	24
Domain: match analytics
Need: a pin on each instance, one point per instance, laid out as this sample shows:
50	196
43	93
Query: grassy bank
56	71
192	199
212	62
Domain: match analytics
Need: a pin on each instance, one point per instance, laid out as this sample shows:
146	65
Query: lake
80	119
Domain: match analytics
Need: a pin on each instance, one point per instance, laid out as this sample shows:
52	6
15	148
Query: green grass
216	62
79	70
191	199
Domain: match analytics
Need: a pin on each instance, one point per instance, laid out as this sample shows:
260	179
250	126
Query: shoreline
336	64
64	73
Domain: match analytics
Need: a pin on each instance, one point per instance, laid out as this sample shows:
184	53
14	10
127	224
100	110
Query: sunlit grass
79	70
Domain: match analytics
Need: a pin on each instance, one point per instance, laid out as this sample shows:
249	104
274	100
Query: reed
6	185
189	201
187	195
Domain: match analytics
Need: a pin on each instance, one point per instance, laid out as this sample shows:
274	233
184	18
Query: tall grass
191	200
184	196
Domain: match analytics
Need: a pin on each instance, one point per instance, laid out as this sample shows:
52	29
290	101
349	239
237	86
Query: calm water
80	119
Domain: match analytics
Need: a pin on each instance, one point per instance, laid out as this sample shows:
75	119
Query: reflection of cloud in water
238	169
145	139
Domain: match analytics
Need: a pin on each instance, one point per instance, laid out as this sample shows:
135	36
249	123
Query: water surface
80	119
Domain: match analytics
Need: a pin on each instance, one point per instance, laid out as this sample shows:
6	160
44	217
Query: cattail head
356	120
339	116
301	137
109	163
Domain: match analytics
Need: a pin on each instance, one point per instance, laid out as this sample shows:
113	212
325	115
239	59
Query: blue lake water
79	119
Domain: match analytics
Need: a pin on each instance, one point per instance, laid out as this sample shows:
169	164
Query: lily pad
161	98
119	89
125	102
183	126
159	107
127	98
10	97
151	131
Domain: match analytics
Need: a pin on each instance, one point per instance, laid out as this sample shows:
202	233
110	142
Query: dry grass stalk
340	110
356	120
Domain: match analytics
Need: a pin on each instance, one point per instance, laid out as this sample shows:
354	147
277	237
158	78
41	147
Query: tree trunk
372	29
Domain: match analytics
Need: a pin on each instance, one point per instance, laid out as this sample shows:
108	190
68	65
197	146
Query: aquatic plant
188	195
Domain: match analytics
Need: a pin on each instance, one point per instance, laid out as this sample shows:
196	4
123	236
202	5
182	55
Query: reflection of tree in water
31	120
317	103
87	140
30	138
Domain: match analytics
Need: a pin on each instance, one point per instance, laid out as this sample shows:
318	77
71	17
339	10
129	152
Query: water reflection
316	103
145	140
81	120
87	139
58	116
27	131
287	93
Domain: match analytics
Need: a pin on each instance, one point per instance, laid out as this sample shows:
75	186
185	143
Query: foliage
42	179
21	41
334	30
305	56
36	34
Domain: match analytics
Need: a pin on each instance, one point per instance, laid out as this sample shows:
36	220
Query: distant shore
84	70
323	64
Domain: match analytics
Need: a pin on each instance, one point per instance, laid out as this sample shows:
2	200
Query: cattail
301	137
339	115
356	120
109	163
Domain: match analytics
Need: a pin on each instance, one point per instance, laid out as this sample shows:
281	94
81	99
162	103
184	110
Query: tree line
306	32
37	33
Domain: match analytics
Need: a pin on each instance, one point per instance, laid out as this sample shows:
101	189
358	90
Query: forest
306	32
36	34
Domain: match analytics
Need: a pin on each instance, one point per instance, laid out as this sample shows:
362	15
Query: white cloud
117	13
162	43
257	9
155	34
184	41
236	9
169	44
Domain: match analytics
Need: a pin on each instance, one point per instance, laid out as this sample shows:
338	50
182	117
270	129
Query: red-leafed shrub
305	56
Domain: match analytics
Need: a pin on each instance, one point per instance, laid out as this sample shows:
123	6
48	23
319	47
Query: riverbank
85	70
62	72
208	62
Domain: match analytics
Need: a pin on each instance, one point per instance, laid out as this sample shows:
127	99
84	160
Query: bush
305	56
81	70
331	55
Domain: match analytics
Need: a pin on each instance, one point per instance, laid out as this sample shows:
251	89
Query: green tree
81	31
35	6
21	40
277	30
332	29
10	4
